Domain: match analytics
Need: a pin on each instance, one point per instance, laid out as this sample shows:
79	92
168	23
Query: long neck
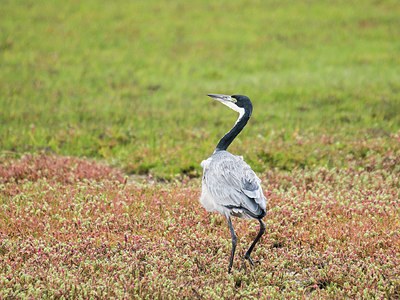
228	138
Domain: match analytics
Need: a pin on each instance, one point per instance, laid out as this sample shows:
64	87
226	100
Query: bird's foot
244	262
249	259
253	262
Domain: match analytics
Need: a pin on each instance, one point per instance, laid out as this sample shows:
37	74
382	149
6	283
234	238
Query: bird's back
231	187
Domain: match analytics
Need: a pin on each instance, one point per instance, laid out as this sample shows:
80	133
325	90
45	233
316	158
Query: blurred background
126	81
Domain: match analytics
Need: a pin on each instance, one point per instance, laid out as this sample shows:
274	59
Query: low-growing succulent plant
70	228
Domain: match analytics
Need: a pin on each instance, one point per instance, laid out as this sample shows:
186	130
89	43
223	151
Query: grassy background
126	82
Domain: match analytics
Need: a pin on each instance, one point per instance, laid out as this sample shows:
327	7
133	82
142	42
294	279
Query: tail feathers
236	210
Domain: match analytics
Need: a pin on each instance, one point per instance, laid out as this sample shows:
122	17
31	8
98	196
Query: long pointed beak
221	98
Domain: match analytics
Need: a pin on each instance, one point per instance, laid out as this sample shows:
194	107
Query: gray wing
233	184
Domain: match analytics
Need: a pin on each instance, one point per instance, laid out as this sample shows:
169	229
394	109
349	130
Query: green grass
126	82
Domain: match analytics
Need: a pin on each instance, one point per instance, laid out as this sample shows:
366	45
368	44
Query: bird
229	185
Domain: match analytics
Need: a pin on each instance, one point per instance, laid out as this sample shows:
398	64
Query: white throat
233	106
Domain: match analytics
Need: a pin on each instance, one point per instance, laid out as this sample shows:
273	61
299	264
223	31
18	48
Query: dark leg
234	243
260	233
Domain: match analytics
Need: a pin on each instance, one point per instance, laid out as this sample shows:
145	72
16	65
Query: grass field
93	91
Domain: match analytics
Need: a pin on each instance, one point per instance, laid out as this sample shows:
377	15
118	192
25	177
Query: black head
242	101
238	103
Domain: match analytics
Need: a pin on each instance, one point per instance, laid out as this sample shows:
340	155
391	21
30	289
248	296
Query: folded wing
233	184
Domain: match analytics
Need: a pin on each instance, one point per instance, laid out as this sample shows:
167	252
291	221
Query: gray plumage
229	185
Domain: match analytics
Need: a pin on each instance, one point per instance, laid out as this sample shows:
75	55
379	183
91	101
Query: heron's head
238	103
